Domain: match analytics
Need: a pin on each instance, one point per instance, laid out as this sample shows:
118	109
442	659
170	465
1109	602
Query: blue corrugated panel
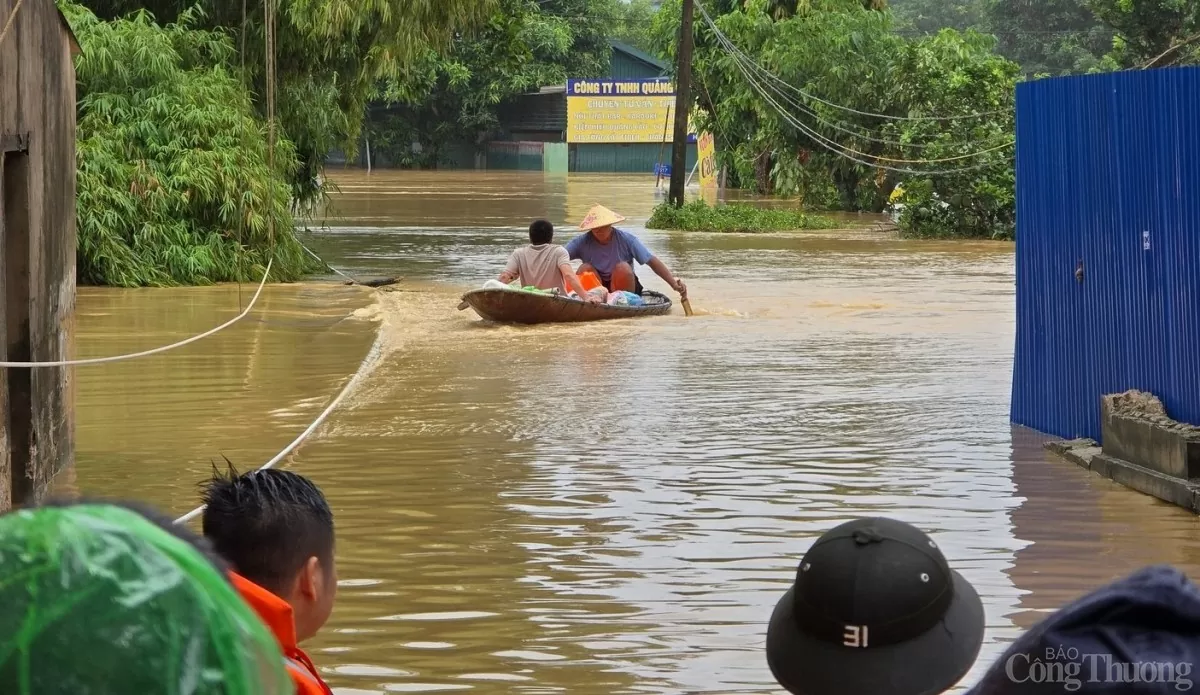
1108	173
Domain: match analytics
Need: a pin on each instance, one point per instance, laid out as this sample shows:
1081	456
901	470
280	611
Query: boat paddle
687	306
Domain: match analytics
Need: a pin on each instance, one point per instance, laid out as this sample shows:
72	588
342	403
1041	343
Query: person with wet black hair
544	265
541	232
276	529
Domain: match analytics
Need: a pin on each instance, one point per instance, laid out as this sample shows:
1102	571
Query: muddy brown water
614	507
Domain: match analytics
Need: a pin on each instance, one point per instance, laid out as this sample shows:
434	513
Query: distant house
532	121
628	61
534	129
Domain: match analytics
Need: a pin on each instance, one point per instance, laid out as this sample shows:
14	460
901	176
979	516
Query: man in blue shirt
611	253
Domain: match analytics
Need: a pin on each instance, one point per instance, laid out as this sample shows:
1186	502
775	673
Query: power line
836	148
813	97
825	142
899	32
804	109
1010	32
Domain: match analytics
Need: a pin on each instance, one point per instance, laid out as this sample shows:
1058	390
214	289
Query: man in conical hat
611	253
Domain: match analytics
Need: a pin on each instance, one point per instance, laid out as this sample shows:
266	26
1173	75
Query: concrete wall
37	248
1143	449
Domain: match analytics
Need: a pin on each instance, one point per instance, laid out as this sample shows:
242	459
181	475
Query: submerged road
608	508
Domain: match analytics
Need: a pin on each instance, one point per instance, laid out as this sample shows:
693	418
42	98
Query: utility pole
683	103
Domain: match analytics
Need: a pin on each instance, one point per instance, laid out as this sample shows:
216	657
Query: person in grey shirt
544	265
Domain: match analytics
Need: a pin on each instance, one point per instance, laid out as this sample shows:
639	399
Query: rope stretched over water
372	355
8	25
323	262
157	350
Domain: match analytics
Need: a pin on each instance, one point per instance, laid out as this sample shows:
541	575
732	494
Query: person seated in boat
544	265
276	530
610	254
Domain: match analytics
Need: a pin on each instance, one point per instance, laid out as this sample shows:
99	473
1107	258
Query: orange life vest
277	615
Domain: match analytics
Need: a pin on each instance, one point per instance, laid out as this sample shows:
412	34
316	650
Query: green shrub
173	185
698	216
979	209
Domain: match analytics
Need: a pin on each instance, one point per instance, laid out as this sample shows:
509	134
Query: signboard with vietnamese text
706	153
620	111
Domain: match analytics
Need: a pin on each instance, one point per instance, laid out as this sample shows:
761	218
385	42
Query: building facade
544	117
535	130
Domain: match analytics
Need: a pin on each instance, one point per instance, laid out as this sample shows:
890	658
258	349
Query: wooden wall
37	248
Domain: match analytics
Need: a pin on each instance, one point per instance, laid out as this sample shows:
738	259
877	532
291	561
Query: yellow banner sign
706	152
620	119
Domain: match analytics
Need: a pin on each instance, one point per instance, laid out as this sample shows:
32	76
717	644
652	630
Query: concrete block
1124	437
1178	491
1165	487
1191	455
1135	428
1081	452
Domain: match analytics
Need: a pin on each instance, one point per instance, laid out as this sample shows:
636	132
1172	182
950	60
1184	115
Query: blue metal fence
1108	246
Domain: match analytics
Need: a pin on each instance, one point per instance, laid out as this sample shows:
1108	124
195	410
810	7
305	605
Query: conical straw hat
599	216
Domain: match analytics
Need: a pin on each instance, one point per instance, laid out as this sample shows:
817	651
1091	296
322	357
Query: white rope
157	350
323	262
372	355
13	15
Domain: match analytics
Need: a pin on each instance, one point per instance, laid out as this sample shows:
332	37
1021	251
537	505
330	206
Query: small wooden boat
514	306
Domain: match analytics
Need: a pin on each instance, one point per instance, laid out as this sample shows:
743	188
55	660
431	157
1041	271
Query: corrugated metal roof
657	63
553	89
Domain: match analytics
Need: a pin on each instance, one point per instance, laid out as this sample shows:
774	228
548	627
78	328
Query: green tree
331	55
589	20
456	95
173	180
1151	33
632	24
931	16
834	106
954	73
1049	37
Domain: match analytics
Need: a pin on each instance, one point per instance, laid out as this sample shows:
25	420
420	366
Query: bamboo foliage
331	56
172	182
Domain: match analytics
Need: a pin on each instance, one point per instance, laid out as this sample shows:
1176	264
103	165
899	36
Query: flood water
613	507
